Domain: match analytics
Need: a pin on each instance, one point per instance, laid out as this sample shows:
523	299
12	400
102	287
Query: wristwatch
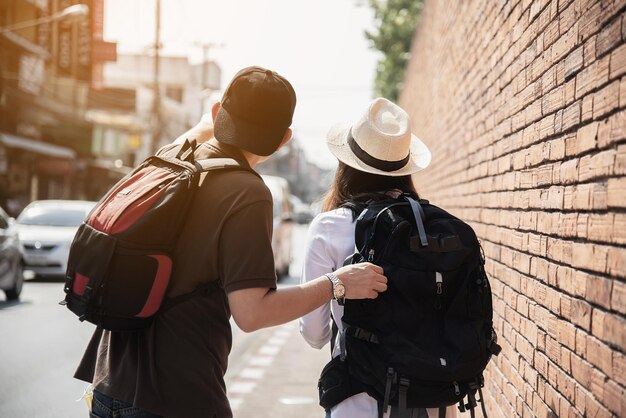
339	290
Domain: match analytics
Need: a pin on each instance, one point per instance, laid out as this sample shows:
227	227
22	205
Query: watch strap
336	281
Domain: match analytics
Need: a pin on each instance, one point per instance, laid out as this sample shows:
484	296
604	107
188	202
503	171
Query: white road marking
241	387
245	381
277	341
261	361
269	350
252	373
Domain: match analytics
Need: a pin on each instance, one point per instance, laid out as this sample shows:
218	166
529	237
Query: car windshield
52	217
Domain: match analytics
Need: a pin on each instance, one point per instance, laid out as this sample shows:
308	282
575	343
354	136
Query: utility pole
156	105
205	69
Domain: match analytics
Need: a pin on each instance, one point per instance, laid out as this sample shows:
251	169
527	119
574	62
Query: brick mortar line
543	116
579	42
541	234
535	349
550	210
593	151
534	387
594	305
620	211
548	234
523	48
549	360
558	263
577	240
554	136
590	181
558	315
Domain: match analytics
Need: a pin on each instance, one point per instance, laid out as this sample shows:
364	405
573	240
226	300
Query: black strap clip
363	334
391	378
403	394
186	152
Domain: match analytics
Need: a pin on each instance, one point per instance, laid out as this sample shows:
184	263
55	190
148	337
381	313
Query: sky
319	46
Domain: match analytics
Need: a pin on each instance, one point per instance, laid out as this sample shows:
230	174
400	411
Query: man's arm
202	132
257	308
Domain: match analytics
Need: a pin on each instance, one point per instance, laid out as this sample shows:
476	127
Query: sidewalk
277	376
273	372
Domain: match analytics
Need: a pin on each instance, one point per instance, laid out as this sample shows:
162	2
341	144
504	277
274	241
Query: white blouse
330	241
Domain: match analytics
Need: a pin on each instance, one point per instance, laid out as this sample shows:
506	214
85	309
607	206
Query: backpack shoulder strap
209	164
418	214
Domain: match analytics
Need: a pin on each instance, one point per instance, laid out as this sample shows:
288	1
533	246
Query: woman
377	156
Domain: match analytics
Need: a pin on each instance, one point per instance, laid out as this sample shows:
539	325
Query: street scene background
522	103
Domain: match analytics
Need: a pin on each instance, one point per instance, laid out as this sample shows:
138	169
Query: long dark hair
352	188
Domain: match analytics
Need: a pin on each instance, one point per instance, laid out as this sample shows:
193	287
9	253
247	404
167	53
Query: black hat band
382	165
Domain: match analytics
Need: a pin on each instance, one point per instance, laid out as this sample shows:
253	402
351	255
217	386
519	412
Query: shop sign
31	74
74	44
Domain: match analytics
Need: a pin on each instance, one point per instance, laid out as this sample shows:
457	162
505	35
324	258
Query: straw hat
380	142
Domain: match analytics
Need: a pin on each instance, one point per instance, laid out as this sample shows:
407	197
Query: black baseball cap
256	110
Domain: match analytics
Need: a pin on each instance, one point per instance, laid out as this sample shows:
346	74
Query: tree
395	22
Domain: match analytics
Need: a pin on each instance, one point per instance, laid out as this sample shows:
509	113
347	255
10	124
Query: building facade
523	104
124	111
46	74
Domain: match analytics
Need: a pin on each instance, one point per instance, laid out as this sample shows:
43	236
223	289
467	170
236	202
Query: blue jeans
106	407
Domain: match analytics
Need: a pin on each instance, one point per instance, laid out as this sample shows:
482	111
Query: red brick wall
523	104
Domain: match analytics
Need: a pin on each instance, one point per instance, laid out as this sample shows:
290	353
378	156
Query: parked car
11	268
46	230
281	238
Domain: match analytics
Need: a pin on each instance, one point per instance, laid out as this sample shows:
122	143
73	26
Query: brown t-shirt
176	366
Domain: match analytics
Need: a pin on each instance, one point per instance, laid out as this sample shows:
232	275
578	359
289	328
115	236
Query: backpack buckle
186	152
391	377
87	293
403	393
364	335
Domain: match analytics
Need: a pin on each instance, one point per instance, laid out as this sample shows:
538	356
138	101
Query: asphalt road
41	345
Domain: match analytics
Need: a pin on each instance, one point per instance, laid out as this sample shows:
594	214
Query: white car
46	229
281	237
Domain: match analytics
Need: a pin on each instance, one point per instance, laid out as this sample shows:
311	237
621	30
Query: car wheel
14	293
283	272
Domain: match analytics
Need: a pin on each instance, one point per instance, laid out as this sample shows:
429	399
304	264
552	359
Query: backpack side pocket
335	384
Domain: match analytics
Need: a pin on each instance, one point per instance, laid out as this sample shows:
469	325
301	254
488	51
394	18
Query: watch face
339	291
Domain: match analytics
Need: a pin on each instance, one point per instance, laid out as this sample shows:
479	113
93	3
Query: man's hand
256	308
362	281
202	132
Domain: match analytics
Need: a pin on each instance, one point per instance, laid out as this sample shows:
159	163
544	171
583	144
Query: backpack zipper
439	287
439	282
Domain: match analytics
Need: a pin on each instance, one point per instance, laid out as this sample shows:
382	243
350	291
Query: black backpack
121	259
425	342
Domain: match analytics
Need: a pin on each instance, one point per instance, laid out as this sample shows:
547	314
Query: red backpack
121	260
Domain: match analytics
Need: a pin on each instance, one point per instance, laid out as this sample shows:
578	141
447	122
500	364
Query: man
176	366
